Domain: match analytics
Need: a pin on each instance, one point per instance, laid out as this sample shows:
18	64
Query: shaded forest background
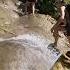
49	7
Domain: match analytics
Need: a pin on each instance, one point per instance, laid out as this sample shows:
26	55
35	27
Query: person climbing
60	4
63	25
63	22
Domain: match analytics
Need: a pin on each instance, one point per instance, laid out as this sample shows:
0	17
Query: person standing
32	5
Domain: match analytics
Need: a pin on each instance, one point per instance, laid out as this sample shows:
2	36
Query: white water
34	40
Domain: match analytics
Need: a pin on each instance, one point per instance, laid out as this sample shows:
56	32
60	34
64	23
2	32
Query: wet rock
14	56
17	57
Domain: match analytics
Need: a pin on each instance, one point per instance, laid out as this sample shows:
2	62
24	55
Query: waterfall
38	42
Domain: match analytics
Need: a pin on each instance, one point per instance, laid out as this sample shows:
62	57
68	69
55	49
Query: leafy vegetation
48	7
67	1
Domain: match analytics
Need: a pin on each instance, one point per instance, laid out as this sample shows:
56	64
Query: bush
47	7
67	1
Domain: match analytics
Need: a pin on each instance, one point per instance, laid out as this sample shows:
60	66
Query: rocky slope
12	25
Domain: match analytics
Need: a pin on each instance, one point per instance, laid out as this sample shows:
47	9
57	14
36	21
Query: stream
39	43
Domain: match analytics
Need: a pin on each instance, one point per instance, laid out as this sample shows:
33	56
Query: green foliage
67	1
47	7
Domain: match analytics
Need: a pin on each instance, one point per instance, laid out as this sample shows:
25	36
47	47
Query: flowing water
39	43
29	50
